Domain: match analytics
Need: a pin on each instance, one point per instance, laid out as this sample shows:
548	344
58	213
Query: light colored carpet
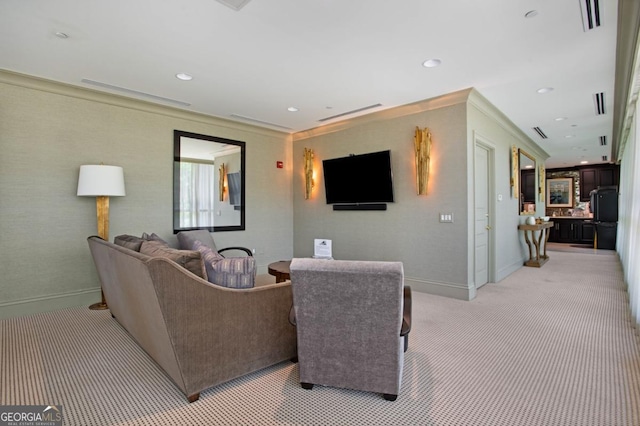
548	346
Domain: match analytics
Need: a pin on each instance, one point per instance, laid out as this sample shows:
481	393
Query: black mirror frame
177	135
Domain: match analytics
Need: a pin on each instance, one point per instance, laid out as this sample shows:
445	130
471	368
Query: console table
539	243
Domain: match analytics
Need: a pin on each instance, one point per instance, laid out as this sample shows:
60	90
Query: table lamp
102	182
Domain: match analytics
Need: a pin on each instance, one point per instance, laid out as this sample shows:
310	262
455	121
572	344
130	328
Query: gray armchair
352	323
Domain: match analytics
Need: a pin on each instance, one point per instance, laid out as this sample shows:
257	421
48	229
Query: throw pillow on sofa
154	237
232	272
129	241
191	260
187	239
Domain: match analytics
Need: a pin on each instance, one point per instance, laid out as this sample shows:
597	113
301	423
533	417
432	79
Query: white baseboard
455	291
509	269
49	303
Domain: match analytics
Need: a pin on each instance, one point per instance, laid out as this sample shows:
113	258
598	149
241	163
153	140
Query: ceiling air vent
590	14
350	112
603	141
134	92
261	122
598	99
234	4
605	158
539	131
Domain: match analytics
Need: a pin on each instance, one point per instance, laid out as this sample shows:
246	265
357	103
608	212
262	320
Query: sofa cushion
233	272
154	237
191	260
129	241
187	239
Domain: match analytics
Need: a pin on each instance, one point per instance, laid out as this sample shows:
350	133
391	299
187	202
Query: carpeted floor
547	346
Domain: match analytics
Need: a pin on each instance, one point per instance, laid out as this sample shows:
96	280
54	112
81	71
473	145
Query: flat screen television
359	179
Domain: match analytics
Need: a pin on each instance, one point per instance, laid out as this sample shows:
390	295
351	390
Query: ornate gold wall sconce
221	181
541	182
308	173
515	172
422	148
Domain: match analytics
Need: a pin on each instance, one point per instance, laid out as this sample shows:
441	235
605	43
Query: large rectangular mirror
208	183
527	167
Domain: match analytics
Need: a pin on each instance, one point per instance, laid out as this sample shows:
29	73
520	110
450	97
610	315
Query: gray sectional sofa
200	334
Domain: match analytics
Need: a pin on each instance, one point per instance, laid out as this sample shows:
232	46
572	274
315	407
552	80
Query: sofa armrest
220	333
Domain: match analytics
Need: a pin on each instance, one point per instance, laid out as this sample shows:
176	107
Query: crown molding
64	89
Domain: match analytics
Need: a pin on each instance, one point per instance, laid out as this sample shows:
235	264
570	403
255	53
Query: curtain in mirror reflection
197	194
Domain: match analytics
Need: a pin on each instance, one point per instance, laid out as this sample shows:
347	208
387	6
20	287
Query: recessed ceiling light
531	14
584	162
545	90
60	34
431	63
561	118
292	109
528	166
184	76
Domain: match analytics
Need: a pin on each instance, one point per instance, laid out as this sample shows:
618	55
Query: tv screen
364	178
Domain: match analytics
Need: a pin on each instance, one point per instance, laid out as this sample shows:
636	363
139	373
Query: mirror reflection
208	183
527	167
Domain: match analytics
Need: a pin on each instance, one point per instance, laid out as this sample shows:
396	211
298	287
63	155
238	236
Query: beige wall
488	125
48	130
434	254
438	257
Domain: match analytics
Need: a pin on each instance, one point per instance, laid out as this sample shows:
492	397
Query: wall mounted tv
359	182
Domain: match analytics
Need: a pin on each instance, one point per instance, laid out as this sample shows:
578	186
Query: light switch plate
446	217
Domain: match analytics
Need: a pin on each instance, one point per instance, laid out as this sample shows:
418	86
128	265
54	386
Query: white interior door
482	219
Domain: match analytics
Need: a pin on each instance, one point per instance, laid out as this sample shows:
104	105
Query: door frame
487	144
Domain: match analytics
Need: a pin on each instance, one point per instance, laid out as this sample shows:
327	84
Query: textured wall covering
438	257
48	130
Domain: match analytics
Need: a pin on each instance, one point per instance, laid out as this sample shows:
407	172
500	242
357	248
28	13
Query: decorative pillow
129	241
233	272
187	239
191	260
154	237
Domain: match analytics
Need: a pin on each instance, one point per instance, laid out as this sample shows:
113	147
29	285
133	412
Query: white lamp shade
95	181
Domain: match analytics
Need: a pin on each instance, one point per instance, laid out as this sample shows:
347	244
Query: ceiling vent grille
234	4
603	141
590	14
540	133
350	112
598	99
134	92
605	158
261	122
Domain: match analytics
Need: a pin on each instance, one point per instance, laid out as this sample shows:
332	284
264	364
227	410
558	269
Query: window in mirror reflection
208	183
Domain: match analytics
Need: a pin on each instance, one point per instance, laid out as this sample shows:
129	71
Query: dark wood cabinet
566	232
577	231
593	177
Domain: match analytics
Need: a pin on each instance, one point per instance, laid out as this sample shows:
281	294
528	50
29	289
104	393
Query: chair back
349	316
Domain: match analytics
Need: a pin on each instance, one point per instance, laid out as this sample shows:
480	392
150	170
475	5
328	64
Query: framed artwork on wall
560	192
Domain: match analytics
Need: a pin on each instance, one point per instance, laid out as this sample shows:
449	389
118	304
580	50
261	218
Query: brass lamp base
100	306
